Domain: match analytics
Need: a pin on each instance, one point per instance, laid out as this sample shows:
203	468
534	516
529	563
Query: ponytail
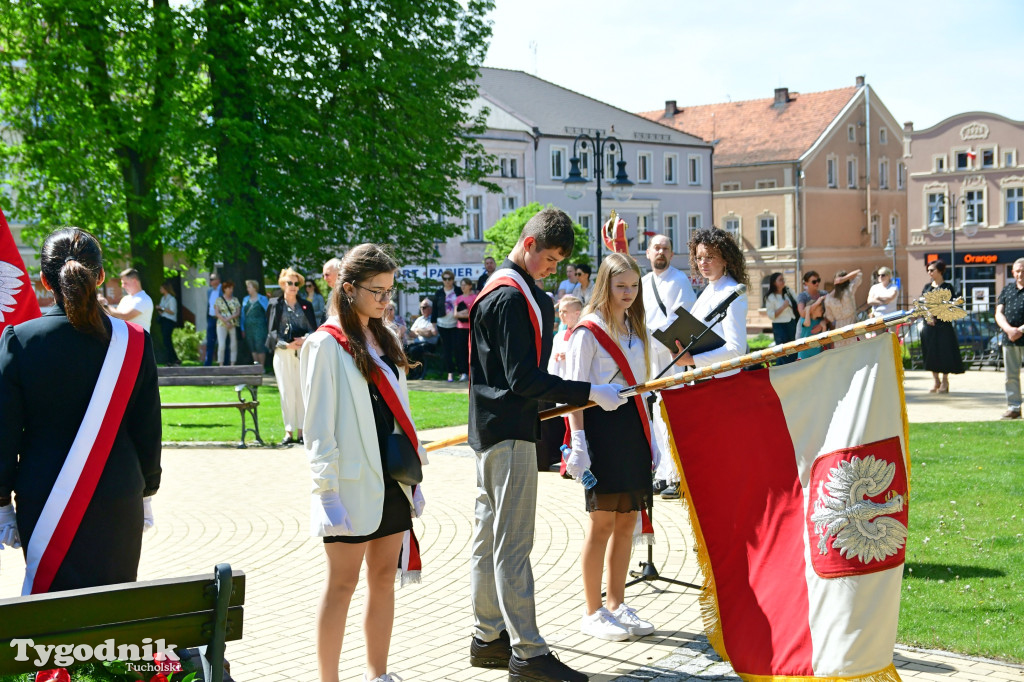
78	289
72	263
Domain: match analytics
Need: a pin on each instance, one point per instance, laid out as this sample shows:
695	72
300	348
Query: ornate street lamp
576	184
937	226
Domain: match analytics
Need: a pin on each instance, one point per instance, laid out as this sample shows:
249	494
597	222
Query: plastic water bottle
587	479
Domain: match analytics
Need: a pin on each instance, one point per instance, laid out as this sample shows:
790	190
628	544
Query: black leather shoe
491	654
659	485
546	668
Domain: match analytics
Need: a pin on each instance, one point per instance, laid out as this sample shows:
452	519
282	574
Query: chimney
860	81
908	127
670	108
781	96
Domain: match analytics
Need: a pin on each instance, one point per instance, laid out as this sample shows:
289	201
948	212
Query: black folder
685	327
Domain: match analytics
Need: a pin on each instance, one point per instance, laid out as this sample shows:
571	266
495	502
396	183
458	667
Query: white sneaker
386	677
602	625
627	618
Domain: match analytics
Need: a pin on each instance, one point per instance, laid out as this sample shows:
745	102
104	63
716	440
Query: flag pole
933	304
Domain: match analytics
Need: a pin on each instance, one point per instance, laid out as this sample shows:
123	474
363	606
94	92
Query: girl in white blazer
359	510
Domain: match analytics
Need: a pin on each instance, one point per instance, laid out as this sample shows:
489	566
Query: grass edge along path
220	425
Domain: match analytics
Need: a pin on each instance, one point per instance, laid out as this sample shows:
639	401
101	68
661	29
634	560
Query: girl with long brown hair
353	384
611	344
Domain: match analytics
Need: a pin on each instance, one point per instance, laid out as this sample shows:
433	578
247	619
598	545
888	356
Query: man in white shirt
136	305
665	289
420	337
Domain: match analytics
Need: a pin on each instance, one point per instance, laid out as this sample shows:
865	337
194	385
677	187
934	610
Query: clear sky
926	60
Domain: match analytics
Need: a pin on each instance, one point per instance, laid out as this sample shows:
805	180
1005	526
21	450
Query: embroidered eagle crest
10	285
862	528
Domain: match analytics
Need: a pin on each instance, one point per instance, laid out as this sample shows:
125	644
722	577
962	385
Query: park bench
241	377
184	612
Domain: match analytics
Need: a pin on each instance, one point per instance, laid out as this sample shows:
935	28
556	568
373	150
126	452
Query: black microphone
733	294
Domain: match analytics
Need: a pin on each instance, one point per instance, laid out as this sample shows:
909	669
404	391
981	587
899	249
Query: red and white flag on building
17	297
800	515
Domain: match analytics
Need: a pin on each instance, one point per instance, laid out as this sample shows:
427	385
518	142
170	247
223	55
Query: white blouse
586	360
733	329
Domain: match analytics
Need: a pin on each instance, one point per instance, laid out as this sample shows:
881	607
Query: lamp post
576	184
937	226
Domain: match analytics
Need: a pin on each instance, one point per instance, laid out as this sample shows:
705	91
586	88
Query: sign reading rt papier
409	273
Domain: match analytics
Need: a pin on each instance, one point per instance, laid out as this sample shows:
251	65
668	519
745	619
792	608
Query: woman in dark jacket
290	320
48	372
940	346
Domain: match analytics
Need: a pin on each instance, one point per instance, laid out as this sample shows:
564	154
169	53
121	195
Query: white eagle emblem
10	285
845	512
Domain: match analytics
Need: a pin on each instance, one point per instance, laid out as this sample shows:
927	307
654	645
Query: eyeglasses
378	294
813	281
292	284
932	269
705	259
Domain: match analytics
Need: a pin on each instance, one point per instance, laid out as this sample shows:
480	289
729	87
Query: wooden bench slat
187	406
183	630
231	370
74	609
211	381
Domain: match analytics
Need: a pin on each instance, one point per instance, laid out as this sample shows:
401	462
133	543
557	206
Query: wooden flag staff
934	304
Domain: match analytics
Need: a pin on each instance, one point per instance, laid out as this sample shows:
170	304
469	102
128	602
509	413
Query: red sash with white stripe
73	490
646	528
410	564
507	277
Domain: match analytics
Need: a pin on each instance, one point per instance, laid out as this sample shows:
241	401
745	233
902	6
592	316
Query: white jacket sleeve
579	356
733	331
318	369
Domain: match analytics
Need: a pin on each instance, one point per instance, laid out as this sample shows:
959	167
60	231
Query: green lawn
963	587
430	410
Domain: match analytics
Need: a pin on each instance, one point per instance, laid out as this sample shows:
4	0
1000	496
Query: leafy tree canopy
504	234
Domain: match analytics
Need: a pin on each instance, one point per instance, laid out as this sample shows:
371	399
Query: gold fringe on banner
708	596
886	674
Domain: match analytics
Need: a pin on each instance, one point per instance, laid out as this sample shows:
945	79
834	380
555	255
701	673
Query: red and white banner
797	484
17	297
72	491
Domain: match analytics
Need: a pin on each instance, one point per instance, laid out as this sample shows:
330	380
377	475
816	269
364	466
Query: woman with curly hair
715	254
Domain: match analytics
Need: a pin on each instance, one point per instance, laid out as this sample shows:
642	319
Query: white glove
607	396
579	458
417	501
329	516
147	513
9	528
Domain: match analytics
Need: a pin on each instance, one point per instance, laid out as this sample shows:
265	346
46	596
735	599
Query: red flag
801	514
17	297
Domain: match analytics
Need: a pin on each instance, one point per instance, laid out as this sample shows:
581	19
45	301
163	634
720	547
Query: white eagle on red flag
17	298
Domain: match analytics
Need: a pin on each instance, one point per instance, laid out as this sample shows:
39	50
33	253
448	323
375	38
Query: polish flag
17	297
800	515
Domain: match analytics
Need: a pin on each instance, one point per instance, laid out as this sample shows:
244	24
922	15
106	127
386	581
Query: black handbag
403	461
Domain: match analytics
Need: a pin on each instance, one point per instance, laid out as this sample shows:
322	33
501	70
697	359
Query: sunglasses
813	281
448	279
292	284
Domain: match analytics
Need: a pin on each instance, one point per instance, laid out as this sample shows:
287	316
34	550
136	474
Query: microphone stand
648	572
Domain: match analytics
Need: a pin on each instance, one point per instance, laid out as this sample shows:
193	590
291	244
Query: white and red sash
73	490
507	277
409	562
645	528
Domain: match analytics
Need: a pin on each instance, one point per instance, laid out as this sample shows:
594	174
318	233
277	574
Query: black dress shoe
490	654
659	485
287	440
546	668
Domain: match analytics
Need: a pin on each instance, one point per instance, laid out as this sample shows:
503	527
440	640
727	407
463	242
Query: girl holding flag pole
611	344
354	387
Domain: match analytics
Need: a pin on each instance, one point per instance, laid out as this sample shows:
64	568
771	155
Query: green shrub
760	342
186	342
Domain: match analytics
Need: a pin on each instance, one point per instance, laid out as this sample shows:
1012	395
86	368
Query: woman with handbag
291	319
364	455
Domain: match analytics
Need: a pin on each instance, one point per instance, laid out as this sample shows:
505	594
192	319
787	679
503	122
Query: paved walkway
249	508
